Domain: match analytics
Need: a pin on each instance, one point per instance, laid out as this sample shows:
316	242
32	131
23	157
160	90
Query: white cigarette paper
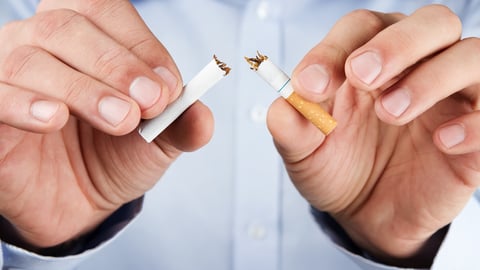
281	83
192	91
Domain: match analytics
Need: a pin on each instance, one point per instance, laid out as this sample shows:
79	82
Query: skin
390	180
402	184
80	170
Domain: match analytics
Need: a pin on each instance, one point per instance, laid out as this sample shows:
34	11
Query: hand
404	159
74	77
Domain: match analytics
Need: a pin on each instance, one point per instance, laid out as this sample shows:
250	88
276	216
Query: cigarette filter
192	91
281	82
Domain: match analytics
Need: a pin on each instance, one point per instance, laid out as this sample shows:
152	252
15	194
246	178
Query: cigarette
192	91
281	82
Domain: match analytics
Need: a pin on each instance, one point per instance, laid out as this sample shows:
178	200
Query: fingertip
320	73
192	130
279	116
47	116
363	68
44	110
118	116
393	106
145	92
451	136
312	81
153	95
172	80
287	125
459	136
129	123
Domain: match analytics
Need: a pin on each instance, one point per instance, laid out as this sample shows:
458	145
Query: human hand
403	160
74	77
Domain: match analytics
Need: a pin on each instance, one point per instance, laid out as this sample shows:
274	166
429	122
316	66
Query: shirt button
258	114
256	231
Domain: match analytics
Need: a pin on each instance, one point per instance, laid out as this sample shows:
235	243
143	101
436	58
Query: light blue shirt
231	205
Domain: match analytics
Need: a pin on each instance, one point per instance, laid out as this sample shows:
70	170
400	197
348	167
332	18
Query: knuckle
115	65
9	29
93	8
368	18
398	16
18	61
88	8
10	105
105	60
443	12
91	5
49	24
76	88
335	55
142	42
472	46
448	19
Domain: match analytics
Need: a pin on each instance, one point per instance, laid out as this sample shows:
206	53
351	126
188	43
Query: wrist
10	234
386	249
76	245
422	257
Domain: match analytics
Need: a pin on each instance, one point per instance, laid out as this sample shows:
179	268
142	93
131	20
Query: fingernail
43	110
452	135
145	92
113	110
396	102
314	78
167	77
367	67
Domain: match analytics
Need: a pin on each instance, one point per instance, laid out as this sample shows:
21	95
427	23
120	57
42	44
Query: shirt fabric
230	205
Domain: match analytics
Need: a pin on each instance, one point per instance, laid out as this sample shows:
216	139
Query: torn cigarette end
222	65
213	72
281	82
256	61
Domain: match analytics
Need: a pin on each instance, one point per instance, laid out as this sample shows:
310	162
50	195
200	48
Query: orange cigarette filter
281	82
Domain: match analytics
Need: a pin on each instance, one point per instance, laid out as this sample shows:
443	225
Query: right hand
393	174
75	80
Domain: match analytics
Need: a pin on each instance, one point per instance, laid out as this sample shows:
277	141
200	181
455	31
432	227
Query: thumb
294	136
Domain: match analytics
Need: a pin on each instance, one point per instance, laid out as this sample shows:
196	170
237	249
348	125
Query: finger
295	137
192	130
454	69
100	56
120	20
459	138
321	71
28	111
100	105
460	135
428	30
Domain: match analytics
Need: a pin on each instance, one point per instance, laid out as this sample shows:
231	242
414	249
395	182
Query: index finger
120	20
321	71
402	45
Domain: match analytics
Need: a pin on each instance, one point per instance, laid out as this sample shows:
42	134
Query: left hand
404	158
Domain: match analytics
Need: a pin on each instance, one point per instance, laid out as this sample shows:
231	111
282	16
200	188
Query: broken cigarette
281	82
192	91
